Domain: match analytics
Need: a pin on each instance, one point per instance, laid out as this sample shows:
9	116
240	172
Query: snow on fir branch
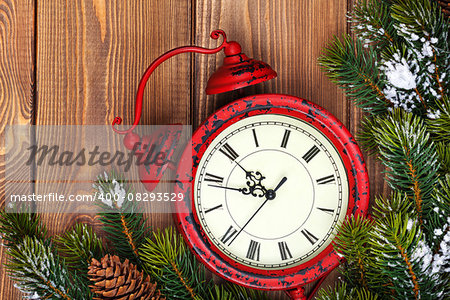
42	274
123	221
56	267
406	50
112	192
403	251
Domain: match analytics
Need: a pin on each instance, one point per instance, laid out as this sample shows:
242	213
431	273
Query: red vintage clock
266	181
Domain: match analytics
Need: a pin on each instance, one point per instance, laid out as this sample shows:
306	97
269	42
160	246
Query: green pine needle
14	227
439	218
78	246
352	242
219	293
162	249
397	203
443	153
440	127
406	149
229	291
165	256
402	254
354	69
343	292
39	272
122	220
366	135
241	293
373	23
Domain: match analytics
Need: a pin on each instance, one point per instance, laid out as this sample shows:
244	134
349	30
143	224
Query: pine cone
114	280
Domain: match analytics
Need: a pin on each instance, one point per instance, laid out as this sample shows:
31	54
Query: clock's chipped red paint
212	249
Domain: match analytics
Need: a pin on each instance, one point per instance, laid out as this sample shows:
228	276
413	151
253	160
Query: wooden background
80	61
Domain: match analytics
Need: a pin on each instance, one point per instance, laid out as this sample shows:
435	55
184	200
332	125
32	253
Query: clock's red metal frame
189	225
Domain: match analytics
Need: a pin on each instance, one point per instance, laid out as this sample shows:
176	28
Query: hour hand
242	190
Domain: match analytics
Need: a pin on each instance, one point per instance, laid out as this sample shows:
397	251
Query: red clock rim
189	225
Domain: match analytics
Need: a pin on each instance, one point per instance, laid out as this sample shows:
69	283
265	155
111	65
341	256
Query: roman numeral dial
229	152
253	250
326	180
213	178
311	153
309	236
284	251
285	140
239	207
228	235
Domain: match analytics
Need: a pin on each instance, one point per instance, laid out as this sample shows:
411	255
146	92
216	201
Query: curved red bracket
140	93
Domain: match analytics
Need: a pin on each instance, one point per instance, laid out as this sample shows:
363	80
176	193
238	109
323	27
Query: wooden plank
378	184
288	35
17	65
375	169
91	55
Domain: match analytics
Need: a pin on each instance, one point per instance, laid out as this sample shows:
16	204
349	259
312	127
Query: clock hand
253	183
280	183
261	206
270	195
247	173
245	191
228	188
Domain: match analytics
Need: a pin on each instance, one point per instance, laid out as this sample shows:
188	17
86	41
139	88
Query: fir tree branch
165	256
341	291
409	244
405	148
396	203
394	241
123	221
78	246
355	71
443	153
440	222
229	291
423	18
351	243
39	272
365	135
14	227
401	253
373	23
219	293
413	276
439	126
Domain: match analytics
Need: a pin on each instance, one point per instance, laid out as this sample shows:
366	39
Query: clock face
270	190
266	180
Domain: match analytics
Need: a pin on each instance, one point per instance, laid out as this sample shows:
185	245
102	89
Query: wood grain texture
17	66
289	36
90	55
375	169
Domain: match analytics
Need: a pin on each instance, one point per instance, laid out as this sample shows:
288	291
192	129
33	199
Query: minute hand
270	195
